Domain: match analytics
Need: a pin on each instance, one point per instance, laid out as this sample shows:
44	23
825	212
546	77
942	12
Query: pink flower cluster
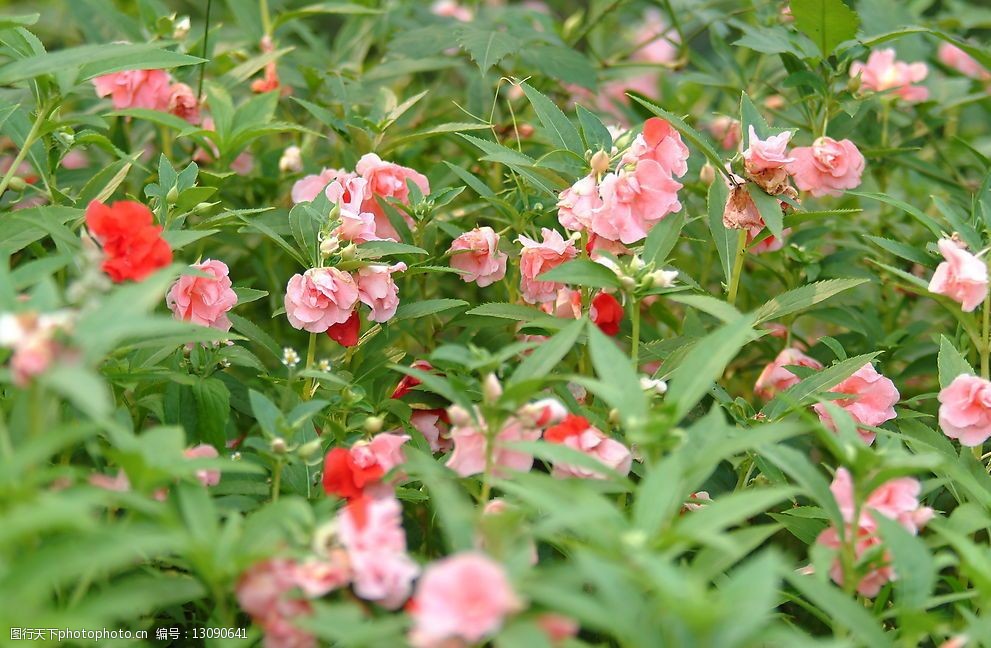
349	473
381	179
883	73
476	254
776	377
897	499
869	399
151	89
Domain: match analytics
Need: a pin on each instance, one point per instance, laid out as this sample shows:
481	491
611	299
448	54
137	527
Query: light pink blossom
461	598
577	203
378	291
388	180
207	476
471	445
537	258
476	253
961	276
661	143
965	410
952	56
776	377
385	450
882	73
204	300
434	428
634	201
320	298
828	167
575	432
309	187
183	103
871	400
135	89
769	154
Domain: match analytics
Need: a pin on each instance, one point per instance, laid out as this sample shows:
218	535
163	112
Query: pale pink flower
434	429
32	337
577	203
317	576
265	592
634	201
388	180
661	143
952	56
477	254
464	597
471	445
543	412
357	225
965	410
567	304
451	9
882	72
961	276
662	46
765	155
203	300
727	131
207	476
577	433
828	167
183	103
537	258
309	187
135	89
320	298
378	291
871	401
776	377
385	450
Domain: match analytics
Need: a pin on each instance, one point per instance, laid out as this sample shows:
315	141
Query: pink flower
202	300
575	432
538	258
135	89
477	254
952	56
378	291
577	203
876	576
316	577
183	103
726	130
348	193
965	410
699	498
433	427
769	154
388	180
633	201
32	337
207	476
370	530
828	167
661	143
662	46
265	592
871	402
962	276
320	298
882	72
471	445
385	450
309	187
567	304
462	597
776	377
451	9
557	627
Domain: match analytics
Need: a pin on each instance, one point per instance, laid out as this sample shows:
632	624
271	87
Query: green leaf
705	363
562	64
621	382
768	206
913	211
85	389
24	20
913	563
794	464
95	60
427	307
487	47
559	128
951	363
269	417
582	272
377	249
248	295
597	136
662	238
213	409
805	390
827	22
842	609
725	239
549	354
798	299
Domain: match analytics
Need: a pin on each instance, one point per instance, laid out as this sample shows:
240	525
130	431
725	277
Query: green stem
311	352
277	481
635	350
206	38
985	350
266	19
23	153
741	253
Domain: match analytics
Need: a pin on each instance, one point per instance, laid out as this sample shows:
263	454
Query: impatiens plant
499	323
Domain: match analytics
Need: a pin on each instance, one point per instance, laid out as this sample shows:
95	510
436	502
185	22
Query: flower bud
459	416
373	424
349	252
291	160
649	384
491	389
309	449
628	283
278	445
203	207
663	278
599	162
636	263
17	184
172	196
329	245
707	174
180	28
614	416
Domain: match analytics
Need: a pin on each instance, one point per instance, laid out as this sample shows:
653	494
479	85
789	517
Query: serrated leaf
827	22
800	298
558	127
769	208
951	363
487	47
550	353
724	239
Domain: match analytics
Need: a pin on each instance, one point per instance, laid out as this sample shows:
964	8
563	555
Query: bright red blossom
343	477
607	313
133	247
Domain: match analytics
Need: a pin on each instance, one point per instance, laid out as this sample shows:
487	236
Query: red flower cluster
133	246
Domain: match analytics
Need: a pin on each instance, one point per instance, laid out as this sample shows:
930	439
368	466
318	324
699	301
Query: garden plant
512	323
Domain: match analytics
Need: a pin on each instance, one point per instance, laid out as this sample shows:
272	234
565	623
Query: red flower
132	245
572	425
409	382
606	312
344	478
346	334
